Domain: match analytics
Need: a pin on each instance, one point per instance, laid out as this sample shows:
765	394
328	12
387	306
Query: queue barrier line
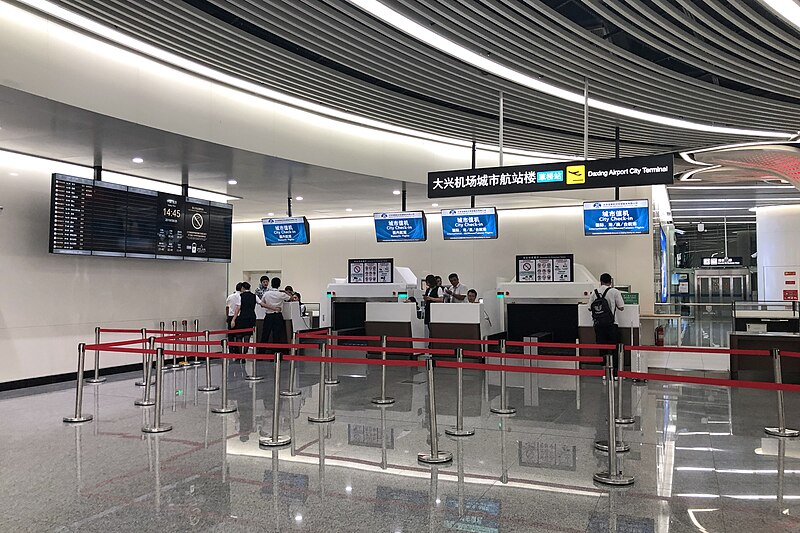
312	332
789	354
718	382
390	349
228	331
353	360
533	357
272	345
529	369
566	345
119	330
692	349
343	337
438	340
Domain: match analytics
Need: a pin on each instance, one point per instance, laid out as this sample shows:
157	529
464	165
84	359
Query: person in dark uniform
433	294
245	313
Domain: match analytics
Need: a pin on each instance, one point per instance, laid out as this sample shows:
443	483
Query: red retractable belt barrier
529	369
567	358
566	345
227	331
390	349
118	349
354	361
344	337
684	349
119	330
790	354
711	381
312	333
269	345
176	333
189	343
443	341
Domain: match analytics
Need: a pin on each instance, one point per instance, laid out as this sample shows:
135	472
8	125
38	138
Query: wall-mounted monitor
407	226
286	231
475	223
621	217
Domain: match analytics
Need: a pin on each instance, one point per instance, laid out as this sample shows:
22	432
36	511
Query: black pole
616	154
98	173
474	164
288	206
403	198
185	180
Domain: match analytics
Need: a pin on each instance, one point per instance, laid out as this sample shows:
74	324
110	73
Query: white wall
778	243
479	263
51	302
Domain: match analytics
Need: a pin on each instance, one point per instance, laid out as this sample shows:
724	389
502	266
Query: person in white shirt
272	301
260	311
472	298
608	333
457	291
231	303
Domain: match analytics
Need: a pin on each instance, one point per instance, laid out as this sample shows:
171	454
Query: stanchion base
143	403
254	378
331	382
282	440
443	457
602	445
501	411
195	363
776	432
171	367
95	381
223	410
639	382
624	420
321	419
385	400
619	479
159	429
212	388
455	432
291	393
77	419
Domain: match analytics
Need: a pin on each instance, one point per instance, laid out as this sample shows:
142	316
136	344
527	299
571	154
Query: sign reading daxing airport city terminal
594	174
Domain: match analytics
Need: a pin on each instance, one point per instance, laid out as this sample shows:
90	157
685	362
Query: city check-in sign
594	174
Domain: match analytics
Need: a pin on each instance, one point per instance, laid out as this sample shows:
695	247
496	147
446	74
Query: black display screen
89	217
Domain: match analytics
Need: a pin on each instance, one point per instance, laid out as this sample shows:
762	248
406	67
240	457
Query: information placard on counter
545	268
475	223
370	270
286	231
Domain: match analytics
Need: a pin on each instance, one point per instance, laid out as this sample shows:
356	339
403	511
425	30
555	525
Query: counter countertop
764	334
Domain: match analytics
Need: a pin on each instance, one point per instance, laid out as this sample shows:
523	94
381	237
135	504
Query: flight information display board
370	270
475	223
89	217
545	268
286	231
408	226
620	217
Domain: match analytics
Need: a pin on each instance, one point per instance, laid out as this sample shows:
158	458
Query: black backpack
601	311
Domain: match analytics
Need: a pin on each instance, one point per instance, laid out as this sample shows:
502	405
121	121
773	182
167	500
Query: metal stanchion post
613	476
254	375
436	456
143	382
322	416
185	325
291	391
458	430
329	379
504	408
276	439
620	418
146	401
383	399
96	378
172	363
224	408
602	445
79	417
157	426
781	430
208	387
196	361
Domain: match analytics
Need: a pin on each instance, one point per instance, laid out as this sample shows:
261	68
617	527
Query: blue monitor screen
622	217
285	231
477	223
407	226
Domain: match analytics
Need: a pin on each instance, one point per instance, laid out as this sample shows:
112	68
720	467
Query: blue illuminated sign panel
549	176
407	226
285	231
479	223
622	217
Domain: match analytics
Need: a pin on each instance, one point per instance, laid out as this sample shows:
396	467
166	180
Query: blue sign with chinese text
623	217
400	227
284	231
479	223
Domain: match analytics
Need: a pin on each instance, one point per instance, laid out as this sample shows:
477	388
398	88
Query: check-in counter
760	368
458	321
394	319
294	319
628	320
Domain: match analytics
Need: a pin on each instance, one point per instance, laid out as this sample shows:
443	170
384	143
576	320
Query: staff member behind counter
457	291
272	301
433	294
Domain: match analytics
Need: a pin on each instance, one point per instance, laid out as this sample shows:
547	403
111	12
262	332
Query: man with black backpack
603	304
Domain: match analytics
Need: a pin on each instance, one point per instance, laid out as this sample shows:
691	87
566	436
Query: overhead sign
621	217
370	270
545	268
590	174
477	223
285	231
406	226
722	261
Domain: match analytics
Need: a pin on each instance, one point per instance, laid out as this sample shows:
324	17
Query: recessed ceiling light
395	192
298	198
270	214
232	182
137	160
348	209
13	173
434	205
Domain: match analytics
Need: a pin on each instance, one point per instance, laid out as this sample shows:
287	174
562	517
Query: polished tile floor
699	455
